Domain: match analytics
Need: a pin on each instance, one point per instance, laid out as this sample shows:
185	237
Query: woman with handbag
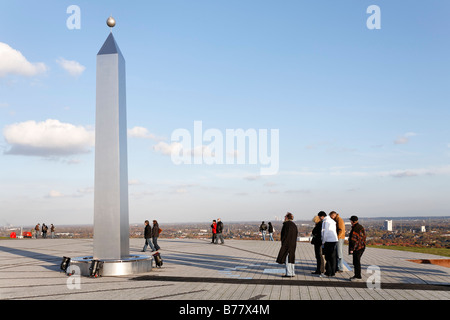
317	242
155	234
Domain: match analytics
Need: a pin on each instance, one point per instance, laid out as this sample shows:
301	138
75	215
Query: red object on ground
13	235
27	234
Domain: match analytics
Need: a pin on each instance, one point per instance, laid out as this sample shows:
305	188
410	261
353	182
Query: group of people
44	230
151	234
328	239
264	228
217	229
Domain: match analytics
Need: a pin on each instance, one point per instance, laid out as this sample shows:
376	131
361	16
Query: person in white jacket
329	242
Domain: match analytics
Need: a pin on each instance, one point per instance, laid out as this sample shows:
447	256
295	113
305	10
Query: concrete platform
196	270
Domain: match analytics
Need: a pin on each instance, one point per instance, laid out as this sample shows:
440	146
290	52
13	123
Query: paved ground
195	270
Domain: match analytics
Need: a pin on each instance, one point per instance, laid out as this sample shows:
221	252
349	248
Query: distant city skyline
359	101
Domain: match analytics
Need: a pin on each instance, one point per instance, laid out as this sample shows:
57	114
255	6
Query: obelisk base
134	264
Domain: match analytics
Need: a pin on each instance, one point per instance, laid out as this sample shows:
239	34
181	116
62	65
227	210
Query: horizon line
253	221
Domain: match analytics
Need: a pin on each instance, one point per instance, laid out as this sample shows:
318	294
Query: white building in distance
387	225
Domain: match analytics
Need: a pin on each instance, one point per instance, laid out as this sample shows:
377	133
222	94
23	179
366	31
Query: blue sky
362	114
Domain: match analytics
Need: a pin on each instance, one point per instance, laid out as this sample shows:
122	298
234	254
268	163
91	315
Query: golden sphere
111	22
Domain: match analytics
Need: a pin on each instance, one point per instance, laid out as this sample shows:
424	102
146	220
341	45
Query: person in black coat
317	242
148	236
356	245
270	231
289	233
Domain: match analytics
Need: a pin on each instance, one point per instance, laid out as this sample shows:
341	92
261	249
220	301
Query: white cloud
48	138
404	138
252	178
168	149
433	171
397	173
134	182
141	132
13	62
202	151
55	194
74	68
176	148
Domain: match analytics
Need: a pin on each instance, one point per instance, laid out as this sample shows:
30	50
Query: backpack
158	260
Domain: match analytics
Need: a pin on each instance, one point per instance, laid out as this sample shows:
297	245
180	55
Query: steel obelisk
111	222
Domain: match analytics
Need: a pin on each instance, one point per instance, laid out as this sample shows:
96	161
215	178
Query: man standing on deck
356	245
340	230
289	233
